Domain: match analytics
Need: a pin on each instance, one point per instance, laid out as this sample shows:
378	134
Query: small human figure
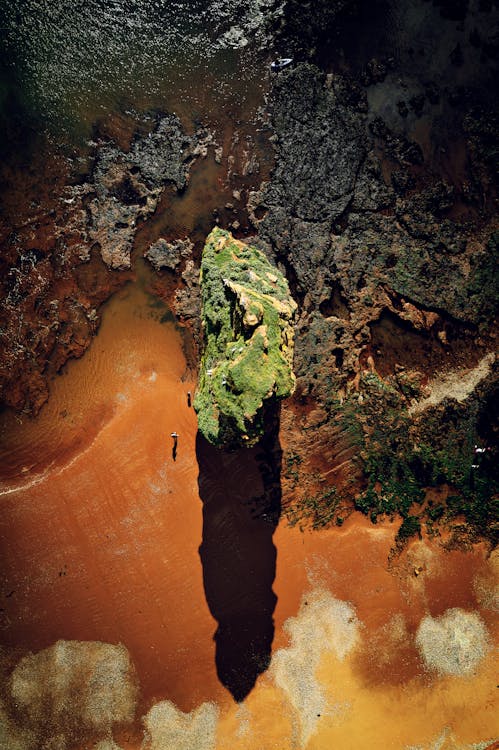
189	398
477	451
174	435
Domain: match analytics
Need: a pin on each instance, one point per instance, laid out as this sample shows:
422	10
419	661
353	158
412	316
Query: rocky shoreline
394	295
387	236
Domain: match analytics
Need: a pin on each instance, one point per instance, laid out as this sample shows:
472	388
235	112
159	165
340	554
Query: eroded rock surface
248	329
126	185
381	212
163	254
62	260
394	293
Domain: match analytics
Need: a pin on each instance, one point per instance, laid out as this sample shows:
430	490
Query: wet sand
380	695
99	527
100	531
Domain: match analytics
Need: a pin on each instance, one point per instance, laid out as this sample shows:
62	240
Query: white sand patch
457	385
107	745
447	741
168	728
486	584
454	643
74	687
244	717
323	624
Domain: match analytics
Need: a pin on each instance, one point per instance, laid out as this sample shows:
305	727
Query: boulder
247	315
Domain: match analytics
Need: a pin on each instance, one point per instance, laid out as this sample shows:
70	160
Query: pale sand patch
243	716
386	643
71	688
13	737
323	624
457	385
168	728
107	745
454	643
447	741
486	584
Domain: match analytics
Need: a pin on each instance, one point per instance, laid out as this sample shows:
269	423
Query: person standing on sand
174	435
189	398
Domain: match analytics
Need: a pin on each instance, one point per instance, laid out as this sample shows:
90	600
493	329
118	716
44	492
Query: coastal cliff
291	207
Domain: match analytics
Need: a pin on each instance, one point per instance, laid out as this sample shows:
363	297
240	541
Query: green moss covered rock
247	314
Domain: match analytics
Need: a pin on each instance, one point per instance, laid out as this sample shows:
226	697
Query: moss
410	527
483	281
401	459
247	314
435	511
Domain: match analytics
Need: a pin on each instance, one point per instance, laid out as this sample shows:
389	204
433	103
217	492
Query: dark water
67	63
241	495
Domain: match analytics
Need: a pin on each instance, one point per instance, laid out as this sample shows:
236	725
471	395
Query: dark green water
66	63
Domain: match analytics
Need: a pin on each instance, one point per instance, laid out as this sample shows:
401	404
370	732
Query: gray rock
126	186
163	254
321	145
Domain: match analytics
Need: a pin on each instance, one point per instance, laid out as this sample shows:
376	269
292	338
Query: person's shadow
241	495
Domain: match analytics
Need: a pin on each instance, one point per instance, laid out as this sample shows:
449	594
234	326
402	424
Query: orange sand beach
100	531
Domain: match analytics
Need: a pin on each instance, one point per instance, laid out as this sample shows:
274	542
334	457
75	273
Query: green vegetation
483	281
248	317
401	459
410	527
421	469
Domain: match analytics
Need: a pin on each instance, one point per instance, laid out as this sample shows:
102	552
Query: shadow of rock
241	494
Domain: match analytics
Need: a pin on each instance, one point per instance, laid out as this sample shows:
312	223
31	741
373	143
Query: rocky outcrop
247	314
125	187
62	261
394	293
169	255
379	210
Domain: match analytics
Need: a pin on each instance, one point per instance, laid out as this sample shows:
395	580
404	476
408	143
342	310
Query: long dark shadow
241	494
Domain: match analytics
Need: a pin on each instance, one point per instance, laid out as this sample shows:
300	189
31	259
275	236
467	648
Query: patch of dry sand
454	643
457	385
323	623
74	687
168	728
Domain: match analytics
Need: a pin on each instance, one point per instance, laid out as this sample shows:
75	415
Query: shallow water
68	64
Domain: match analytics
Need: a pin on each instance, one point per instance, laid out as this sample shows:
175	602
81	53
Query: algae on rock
247	314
